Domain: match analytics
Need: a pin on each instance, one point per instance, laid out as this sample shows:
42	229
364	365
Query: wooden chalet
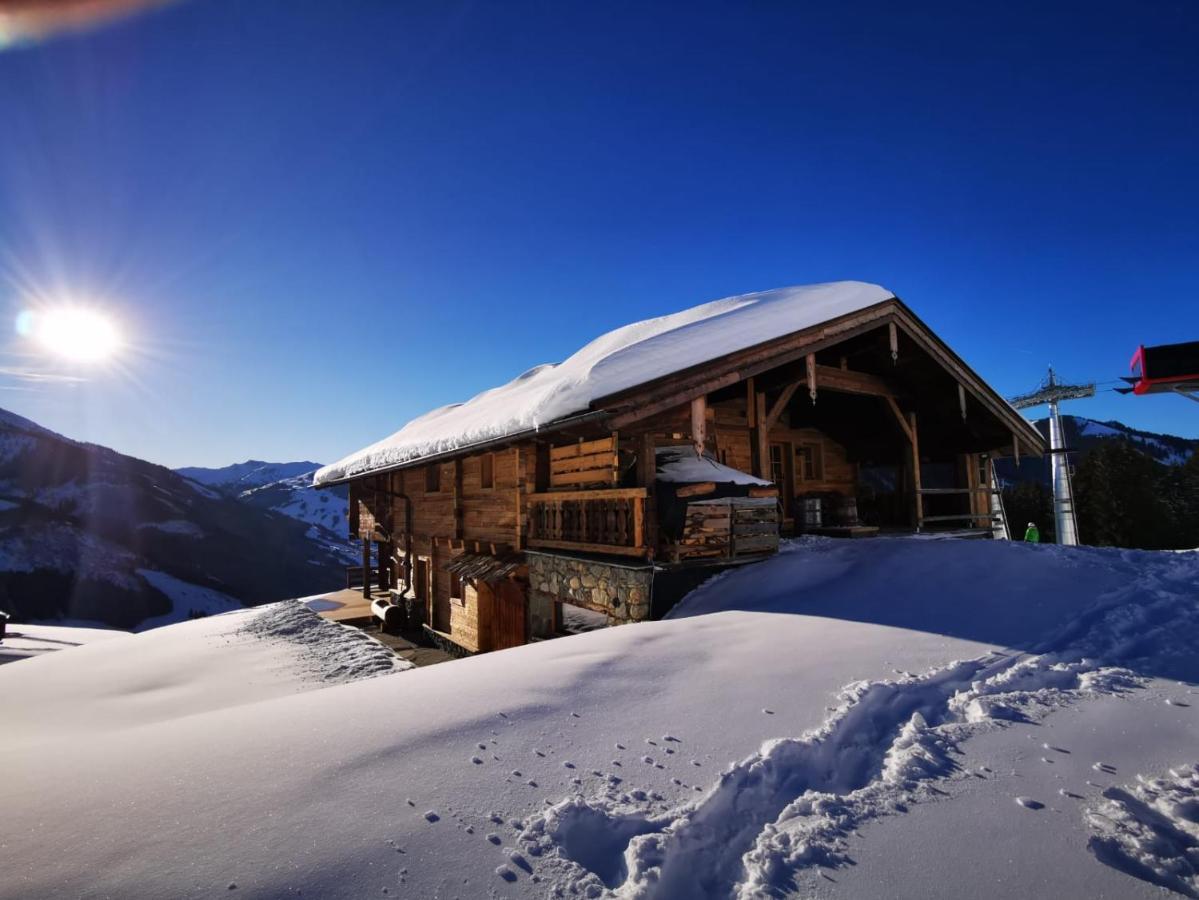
831	409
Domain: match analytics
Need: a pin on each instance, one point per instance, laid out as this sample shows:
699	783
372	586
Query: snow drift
955	718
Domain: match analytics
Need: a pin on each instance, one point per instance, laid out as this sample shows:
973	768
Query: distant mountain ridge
246	475
285	488
1084	435
89	534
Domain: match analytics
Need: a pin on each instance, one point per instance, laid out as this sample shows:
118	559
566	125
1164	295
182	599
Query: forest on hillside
1123	499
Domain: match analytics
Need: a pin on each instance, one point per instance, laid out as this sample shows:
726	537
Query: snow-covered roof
621	359
680	465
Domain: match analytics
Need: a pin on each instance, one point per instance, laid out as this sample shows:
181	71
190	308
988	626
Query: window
778	471
456	592
487	470
809	462
433	478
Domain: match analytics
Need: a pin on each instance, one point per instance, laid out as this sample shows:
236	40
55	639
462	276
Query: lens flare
72	333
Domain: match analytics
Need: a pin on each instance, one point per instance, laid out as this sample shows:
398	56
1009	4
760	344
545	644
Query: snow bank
621	359
790	717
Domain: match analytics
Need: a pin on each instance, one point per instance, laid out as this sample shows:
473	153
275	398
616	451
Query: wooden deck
346	605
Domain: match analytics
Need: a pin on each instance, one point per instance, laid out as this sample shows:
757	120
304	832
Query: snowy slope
91	535
287	489
897	718
624	358
1086	434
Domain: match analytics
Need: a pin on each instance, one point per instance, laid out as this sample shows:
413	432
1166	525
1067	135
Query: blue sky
317	220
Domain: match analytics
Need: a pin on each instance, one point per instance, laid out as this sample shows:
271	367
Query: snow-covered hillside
1085	434
91	535
893	717
287	489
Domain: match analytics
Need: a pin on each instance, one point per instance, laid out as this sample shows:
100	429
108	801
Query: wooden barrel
846	511
810	515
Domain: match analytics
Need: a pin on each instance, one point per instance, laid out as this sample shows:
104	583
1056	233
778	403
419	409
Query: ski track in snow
796	803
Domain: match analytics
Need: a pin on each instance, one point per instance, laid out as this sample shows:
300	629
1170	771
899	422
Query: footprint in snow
516	773
538	752
1170	701
1029	803
505	873
568	765
1072	796
431	815
671	739
620	746
476	760
495	838
769	712
1056	749
648	760
1106	768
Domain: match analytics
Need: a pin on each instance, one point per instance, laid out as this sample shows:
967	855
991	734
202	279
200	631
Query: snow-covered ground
26	641
890	718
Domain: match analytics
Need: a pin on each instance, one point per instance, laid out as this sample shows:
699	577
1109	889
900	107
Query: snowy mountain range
1086	434
89	534
285	488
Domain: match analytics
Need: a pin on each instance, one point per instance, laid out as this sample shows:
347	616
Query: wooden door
508	623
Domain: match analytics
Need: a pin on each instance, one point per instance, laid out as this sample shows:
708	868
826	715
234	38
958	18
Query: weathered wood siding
462	510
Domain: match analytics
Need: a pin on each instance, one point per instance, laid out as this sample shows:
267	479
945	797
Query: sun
77	334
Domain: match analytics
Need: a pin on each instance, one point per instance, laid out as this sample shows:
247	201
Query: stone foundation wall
622	593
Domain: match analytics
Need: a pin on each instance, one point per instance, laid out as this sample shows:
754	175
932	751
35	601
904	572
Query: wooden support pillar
1016	447
893	338
457	499
918	505
750	402
699	424
811	365
760	436
366	568
519	500
962	401
383	574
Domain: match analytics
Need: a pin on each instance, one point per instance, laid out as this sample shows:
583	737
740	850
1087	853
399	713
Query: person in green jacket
1032	535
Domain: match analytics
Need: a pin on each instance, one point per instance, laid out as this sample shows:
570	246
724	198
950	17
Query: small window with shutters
487	471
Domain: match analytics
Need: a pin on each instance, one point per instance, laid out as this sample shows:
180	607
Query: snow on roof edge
623	358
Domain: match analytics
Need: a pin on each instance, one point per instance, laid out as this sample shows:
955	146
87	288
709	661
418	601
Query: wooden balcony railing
600	521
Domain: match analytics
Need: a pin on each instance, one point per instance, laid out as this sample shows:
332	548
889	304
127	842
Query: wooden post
811	363
366	568
893	337
761	437
699	424
457	499
750	402
384	559
962	401
520	500
918	506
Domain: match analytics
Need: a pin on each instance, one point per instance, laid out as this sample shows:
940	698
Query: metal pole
1063	491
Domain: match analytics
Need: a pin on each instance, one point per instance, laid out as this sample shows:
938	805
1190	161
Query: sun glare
72	333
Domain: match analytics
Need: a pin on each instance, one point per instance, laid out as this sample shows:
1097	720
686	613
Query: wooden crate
755	527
